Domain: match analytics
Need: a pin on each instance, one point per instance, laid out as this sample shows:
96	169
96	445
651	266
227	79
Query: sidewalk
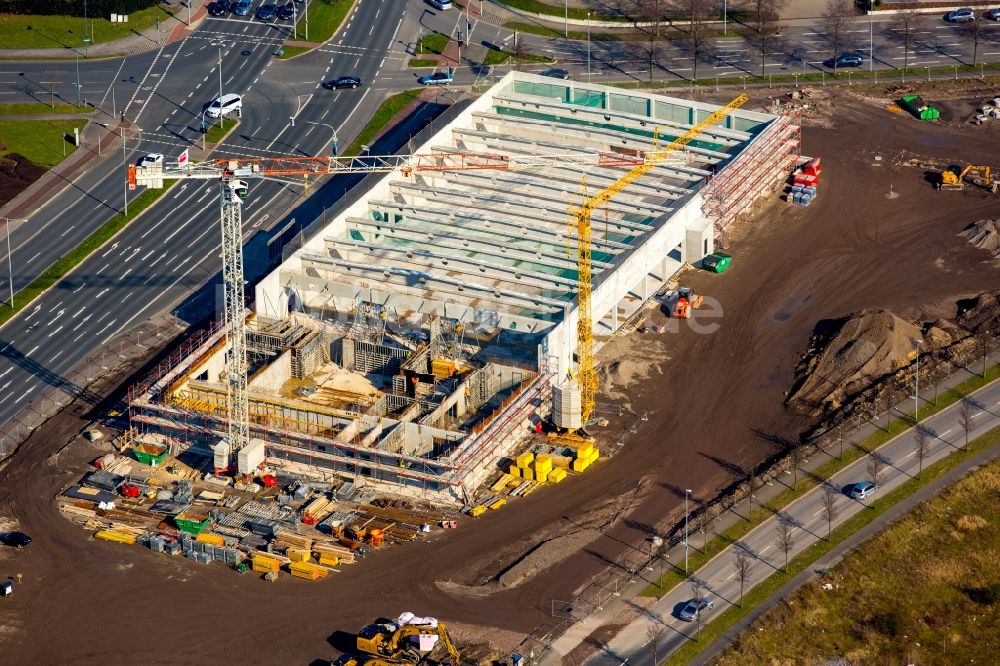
170	31
625	609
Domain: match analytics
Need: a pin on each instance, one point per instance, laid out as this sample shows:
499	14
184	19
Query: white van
440	4
224	106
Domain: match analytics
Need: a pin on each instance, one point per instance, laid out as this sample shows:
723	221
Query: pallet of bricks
805	180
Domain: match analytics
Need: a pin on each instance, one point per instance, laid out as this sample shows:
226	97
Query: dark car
343	82
217	8
556	73
267	12
287	12
993	15
846	60
16	539
241	7
962	15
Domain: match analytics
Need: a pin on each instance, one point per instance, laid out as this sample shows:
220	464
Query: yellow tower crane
586	373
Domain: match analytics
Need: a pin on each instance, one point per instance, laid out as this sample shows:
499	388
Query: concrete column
698	243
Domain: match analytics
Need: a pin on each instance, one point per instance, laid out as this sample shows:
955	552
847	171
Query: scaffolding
760	168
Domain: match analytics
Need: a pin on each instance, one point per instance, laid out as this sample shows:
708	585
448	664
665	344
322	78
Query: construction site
417	340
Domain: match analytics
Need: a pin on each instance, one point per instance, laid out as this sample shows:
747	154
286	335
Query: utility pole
78	100
588	47
125	165
916	385
566	10
10	265
687	491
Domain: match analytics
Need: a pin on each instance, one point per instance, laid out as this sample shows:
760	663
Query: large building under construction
415	338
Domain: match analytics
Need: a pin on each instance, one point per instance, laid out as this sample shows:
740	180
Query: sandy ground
709	398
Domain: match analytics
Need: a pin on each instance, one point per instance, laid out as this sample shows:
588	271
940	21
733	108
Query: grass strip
57	271
741	528
44	142
561	11
34	108
217	133
34	31
325	18
435	42
292	51
423	62
722	622
383	116
580	35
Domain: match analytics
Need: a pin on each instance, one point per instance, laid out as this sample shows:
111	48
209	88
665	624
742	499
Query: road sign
183	159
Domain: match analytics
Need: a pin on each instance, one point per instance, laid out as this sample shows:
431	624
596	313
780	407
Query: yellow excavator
367	660
953	178
390	640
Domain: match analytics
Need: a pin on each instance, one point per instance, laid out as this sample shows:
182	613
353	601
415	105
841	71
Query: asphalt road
173	250
808	517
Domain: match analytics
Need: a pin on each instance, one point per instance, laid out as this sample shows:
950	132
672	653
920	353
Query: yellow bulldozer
395	642
953	178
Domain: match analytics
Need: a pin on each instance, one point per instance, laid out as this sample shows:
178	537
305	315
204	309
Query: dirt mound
544	555
849	355
984	234
980	314
16	174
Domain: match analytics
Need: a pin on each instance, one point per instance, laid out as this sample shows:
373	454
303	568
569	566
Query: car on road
241	7
993	15
287	11
440	4
845	60
16	539
861	490
437	78
695	608
556	73
217	8
343	82
267	12
963	15
220	107
151	159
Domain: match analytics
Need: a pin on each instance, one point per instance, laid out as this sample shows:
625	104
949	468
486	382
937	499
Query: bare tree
797	456
874	467
840	436
655	632
651	11
910	22
829	508
698	591
743	562
765	27
752	481
704	522
698	13
965	416
836	20
784	540
660	554
974	31
920	444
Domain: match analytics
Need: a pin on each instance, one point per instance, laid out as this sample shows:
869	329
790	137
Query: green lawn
573	34
29	31
33	108
433	43
383	116
325	17
69	261
560	10
496	57
41	141
292	51
217	132
423	62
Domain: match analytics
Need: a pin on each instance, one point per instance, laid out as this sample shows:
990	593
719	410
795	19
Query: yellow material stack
498	503
477	511
586	454
501	483
529	473
116	536
307	570
594	455
543	465
212	538
515	471
557	475
525	459
580	464
298	554
329	560
264	564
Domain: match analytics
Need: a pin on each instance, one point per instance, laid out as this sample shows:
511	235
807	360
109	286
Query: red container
308	519
270	481
129	490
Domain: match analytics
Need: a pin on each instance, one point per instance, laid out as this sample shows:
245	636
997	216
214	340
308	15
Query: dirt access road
707	397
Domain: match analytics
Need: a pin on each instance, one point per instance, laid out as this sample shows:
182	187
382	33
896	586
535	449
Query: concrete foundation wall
274	375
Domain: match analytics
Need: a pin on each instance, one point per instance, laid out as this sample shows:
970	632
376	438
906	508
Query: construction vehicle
366	660
953	177
389	639
686	301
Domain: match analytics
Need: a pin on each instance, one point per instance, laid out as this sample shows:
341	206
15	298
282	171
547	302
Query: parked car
343	82
267	12
287	12
220	107
556	73
862	490
241	7
846	60
151	159
437	78
962	15
993	15
217	8
696	608
16	539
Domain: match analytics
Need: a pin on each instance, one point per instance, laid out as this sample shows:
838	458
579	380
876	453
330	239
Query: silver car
696	608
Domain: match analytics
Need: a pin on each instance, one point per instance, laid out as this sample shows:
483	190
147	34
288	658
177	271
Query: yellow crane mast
586	371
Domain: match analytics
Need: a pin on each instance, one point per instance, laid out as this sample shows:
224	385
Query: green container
919	108
149	454
192	523
717	262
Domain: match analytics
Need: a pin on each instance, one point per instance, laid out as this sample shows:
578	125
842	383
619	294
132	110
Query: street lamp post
78	101
566	11
725	18
219	45
124	164
916	385
10	265
588	47
687	491
333	137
